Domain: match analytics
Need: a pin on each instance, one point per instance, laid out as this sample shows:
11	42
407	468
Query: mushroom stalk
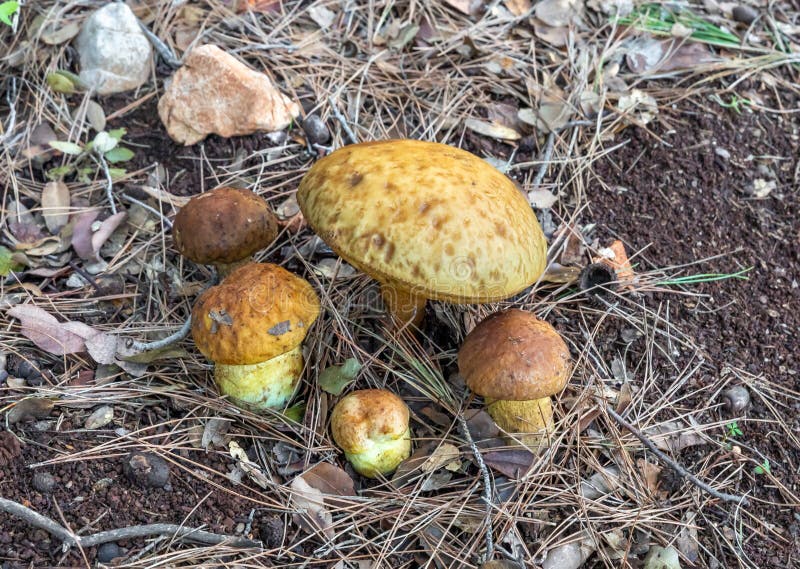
224	269
270	384
529	421
404	305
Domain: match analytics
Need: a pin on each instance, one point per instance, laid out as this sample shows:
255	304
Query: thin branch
340	117
177	336
674	465
544	160
109	183
487	484
176	531
163	49
164	219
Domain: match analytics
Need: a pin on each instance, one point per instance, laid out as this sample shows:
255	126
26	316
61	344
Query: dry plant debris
671	128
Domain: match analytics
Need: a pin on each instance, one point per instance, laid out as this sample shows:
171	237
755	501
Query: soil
682	191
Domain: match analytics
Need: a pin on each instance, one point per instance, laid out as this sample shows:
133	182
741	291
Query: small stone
215	93
316	129
722	153
108	551
44	482
240	527
736	399
146	469
114	53
744	14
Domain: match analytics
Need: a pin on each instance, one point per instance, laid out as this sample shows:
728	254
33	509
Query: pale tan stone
215	93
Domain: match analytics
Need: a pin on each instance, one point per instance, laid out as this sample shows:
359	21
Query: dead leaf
541	198
82	234
101	417
574	248
330	479
102	347
639	106
333	269
446	455
30	408
501	564
514	463
55	205
166	353
250	468
688	543
600	483
650	473
481	425
310	506
51	34
468	7
555	36
259	6
762	188
572	554
52	336
107	227
214	433
492	129
322	16
95	115
557	13
558	273
646	54
674	436
518	7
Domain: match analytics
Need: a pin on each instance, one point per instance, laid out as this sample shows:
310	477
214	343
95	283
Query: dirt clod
108	551
44	482
146	469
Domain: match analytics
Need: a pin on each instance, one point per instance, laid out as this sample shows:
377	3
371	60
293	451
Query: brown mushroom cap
258	312
224	225
368	417
427	218
514	356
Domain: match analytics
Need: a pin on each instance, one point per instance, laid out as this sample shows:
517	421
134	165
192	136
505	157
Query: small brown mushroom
516	362
224	227
252	327
371	427
427	221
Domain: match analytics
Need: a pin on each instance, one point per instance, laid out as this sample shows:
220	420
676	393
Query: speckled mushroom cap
426	217
366	417
223	225
258	312
514	356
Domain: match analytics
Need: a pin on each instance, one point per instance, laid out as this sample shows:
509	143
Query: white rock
115	54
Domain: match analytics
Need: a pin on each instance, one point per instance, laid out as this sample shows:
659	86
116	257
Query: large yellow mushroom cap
258	312
514	356
427	218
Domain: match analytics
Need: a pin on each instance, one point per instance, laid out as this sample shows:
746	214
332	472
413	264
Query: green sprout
7	10
101	151
734	430
763	468
735	103
708	277
659	19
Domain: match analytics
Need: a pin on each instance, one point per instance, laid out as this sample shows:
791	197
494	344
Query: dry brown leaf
445	455
310	506
259	6
514	463
55	205
99	418
557	36
481	425
674	436
570	555
52	336
95	115
250	468
650	473
468	7
107	227
82	234
600	483
557	13
330	479
492	129
646	54
518	7
102	347
52	34
30	408
214	433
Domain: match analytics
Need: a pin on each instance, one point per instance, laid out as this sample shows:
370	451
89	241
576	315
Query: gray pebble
44	482
745	14
108	551
316	130
146	469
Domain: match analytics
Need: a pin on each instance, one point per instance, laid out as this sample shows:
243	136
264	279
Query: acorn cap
425	217
366	417
224	225
258	312
514	356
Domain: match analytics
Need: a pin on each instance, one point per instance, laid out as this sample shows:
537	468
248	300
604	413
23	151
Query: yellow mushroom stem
404	305
530	422
381	456
265	385
224	269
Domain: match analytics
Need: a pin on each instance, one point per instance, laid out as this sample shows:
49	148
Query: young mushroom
252	327
516	362
427	220
371	427
224	227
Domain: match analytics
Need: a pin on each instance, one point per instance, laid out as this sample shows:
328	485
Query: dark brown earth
684	202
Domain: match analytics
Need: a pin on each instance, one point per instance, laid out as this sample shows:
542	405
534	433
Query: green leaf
8	9
117	173
117	133
66	147
295	412
166	353
60	172
7	262
334	379
119	154
763	468
59	83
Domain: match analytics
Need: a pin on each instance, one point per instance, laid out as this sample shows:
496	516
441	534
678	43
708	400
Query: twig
45	523
109	183
342	121
487	484
545	160
163	49
674	465
177	336
86	276
164	219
